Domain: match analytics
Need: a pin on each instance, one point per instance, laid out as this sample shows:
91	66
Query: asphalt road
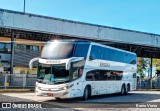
135	100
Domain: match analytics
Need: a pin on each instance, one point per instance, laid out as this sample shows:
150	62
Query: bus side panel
76	90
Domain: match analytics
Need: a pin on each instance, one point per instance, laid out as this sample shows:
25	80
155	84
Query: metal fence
17	80
29	80
148	83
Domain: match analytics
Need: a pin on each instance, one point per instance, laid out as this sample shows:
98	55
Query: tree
142	65
156	63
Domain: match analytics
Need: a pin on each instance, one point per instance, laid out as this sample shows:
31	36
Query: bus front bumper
53	93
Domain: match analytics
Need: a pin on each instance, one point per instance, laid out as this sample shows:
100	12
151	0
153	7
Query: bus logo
104	64
51	61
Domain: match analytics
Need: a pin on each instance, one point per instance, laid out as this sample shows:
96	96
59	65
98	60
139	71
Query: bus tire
122	89
86	93
127	89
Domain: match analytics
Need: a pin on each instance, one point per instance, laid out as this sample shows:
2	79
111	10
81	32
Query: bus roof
70	40
93	43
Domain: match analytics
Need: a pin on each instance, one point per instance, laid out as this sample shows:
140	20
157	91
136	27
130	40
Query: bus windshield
64	50
58	50
52	73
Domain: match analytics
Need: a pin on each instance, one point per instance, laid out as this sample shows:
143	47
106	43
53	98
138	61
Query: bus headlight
66	87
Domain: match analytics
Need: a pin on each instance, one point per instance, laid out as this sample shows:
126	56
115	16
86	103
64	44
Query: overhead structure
43	28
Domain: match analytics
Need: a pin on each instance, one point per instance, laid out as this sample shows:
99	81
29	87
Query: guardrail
149	84
29	80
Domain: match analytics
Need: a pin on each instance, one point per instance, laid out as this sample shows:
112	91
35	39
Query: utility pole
151	72
12	54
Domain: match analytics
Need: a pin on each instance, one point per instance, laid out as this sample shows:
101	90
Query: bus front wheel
86	93
57	98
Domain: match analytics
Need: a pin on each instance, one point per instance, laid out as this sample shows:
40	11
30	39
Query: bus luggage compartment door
100	87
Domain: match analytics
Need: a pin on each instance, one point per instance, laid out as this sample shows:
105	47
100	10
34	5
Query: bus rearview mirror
32	61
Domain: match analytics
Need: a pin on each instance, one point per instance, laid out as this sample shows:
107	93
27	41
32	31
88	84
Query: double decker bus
77	68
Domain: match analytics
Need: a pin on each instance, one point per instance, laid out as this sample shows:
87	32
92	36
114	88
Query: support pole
12	54
151	73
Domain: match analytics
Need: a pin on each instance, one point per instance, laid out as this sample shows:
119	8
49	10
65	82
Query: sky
139	15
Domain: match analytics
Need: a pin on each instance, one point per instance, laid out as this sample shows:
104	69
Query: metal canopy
49	25
141	51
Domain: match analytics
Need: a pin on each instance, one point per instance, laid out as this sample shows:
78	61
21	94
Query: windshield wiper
42	81
61	81
39	80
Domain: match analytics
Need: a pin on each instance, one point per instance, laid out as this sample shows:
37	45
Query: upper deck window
98	52
81	49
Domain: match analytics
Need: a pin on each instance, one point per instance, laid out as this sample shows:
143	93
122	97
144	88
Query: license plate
49	94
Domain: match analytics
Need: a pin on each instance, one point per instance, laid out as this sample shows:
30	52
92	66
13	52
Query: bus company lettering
104	64
52	62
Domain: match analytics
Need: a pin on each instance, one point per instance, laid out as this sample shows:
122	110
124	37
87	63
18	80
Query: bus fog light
65	93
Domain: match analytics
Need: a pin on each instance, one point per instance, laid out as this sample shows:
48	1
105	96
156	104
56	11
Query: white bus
76	68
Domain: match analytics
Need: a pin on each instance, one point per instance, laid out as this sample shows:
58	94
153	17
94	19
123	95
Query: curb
15	90
147	90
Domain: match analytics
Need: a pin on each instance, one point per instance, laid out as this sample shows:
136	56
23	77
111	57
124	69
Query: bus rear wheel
127	89
123	89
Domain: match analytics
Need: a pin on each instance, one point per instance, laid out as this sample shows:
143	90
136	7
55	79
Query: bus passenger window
133	62
90	76
75	74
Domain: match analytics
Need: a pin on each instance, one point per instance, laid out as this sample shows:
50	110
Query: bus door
90	80
77	90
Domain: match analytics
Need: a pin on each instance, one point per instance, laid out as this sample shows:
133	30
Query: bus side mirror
31	62
91	58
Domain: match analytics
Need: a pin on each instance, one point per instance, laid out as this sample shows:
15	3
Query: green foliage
142	65
156	63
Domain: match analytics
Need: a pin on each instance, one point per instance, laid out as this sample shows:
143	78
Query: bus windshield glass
58	50
64	50
52	73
